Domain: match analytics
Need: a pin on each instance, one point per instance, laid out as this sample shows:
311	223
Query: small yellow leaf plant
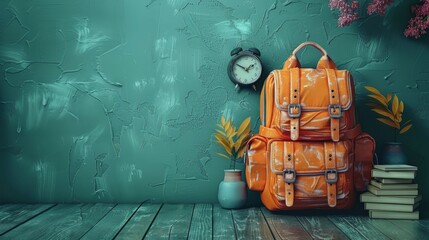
390	109
232	140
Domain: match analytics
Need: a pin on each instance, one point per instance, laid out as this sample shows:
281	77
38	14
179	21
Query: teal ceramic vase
393	153
232	192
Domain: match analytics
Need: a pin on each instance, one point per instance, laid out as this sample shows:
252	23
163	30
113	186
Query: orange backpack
310	151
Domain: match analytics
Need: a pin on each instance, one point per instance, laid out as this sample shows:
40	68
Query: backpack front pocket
310	170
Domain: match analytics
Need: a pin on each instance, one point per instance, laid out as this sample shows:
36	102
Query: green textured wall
109	100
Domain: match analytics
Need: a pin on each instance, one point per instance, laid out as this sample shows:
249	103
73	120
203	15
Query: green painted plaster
117	100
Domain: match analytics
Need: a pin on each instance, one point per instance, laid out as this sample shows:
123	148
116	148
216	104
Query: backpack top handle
324	62
317	46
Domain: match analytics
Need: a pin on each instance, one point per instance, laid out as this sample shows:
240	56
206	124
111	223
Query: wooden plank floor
192	221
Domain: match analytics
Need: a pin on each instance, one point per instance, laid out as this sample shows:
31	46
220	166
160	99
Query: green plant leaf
220	126
223	155
383	112
222	120
243	126
405	129
389	122
380	99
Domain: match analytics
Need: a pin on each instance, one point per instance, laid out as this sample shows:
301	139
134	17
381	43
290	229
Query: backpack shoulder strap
334	108
294	108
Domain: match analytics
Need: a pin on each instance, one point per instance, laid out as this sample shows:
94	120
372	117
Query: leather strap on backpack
331	174
289	174
274	133
294	108
334	108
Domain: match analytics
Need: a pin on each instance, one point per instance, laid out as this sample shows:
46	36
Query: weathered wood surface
13	215
172	222
250	224
202	222
424	223
389	229
112	223
415	230
64	221
319	227
285	226
223	225
139	224
189	221
357	228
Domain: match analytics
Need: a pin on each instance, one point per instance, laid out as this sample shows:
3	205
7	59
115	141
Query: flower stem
396	135
234	163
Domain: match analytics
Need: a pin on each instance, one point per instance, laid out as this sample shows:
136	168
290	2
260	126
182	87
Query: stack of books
392	193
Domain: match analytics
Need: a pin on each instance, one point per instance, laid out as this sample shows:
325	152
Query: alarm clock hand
241	67
250	67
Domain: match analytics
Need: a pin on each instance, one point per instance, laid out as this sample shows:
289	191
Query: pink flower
347	11
346	19
418	25
378	6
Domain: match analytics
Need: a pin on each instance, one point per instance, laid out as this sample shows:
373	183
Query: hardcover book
391	207
394	181
369	197
396	167
393	186
395	192
393	174
394	215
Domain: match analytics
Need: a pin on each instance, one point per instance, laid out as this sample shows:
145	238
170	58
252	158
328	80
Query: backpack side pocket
364	154
256	155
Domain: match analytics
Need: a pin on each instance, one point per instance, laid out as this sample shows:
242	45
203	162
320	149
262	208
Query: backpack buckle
331	176
289	175
334	110
294	107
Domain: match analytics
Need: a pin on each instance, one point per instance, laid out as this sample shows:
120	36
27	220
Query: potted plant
390	109
232	190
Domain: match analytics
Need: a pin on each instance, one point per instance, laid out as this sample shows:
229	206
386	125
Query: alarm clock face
245	69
